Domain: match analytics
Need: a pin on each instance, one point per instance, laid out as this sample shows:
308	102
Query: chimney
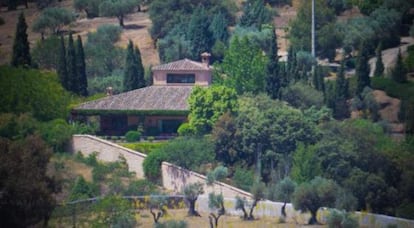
205	58
109	91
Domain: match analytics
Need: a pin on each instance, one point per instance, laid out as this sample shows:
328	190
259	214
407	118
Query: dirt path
389	56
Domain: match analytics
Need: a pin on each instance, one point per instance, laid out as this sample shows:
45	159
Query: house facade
160	109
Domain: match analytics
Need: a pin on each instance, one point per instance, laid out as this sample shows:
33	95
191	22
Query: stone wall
273	209
108	152
175	178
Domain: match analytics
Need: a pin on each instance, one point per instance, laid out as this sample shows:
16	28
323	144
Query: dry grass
144	219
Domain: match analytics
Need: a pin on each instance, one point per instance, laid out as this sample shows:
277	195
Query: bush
98	85
185	130
140	188
102	56
144	147
132	136
337	218
171	224
152	164
243	178
2	21
45	54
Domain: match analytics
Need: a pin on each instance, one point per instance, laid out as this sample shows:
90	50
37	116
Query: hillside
137	25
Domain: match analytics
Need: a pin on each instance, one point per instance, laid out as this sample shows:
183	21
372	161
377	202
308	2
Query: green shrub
99	172
143	147
151	138
171	224
243	178
132	136
45	53
185	130
337	218
152	164
402	91
82	189
140	188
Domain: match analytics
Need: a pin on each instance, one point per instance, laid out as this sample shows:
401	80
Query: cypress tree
141	70
362	70
199	35
341	94
399	73
80	65
379	65
21	48
73	80
131	78
318	79
61	66
291	68
273	83
218	27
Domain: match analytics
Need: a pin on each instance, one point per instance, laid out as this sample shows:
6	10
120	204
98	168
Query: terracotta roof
152	98
184	64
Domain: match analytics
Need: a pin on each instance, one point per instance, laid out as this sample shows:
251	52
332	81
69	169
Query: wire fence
74	212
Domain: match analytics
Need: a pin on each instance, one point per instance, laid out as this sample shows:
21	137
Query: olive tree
310	196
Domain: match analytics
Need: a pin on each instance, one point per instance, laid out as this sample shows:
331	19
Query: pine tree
80	66
399	73
131	78
273	83
341	94
73	80
61	66
141	70
21	48
379	65
362	70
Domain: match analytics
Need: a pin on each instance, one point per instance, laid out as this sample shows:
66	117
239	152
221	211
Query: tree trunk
313	219
284	210
251	217
121	20
191	209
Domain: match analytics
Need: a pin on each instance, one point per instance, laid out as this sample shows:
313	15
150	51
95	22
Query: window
180	78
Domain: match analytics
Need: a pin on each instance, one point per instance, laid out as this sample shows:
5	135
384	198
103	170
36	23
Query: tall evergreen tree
21	48
141	70
291	67
73	80
255	14
362	69
218	27
341	94
199	35
379	65
399	73
81	67
273	82
131	78
61	66
318	79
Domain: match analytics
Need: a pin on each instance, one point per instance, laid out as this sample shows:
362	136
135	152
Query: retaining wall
174	178
108	152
